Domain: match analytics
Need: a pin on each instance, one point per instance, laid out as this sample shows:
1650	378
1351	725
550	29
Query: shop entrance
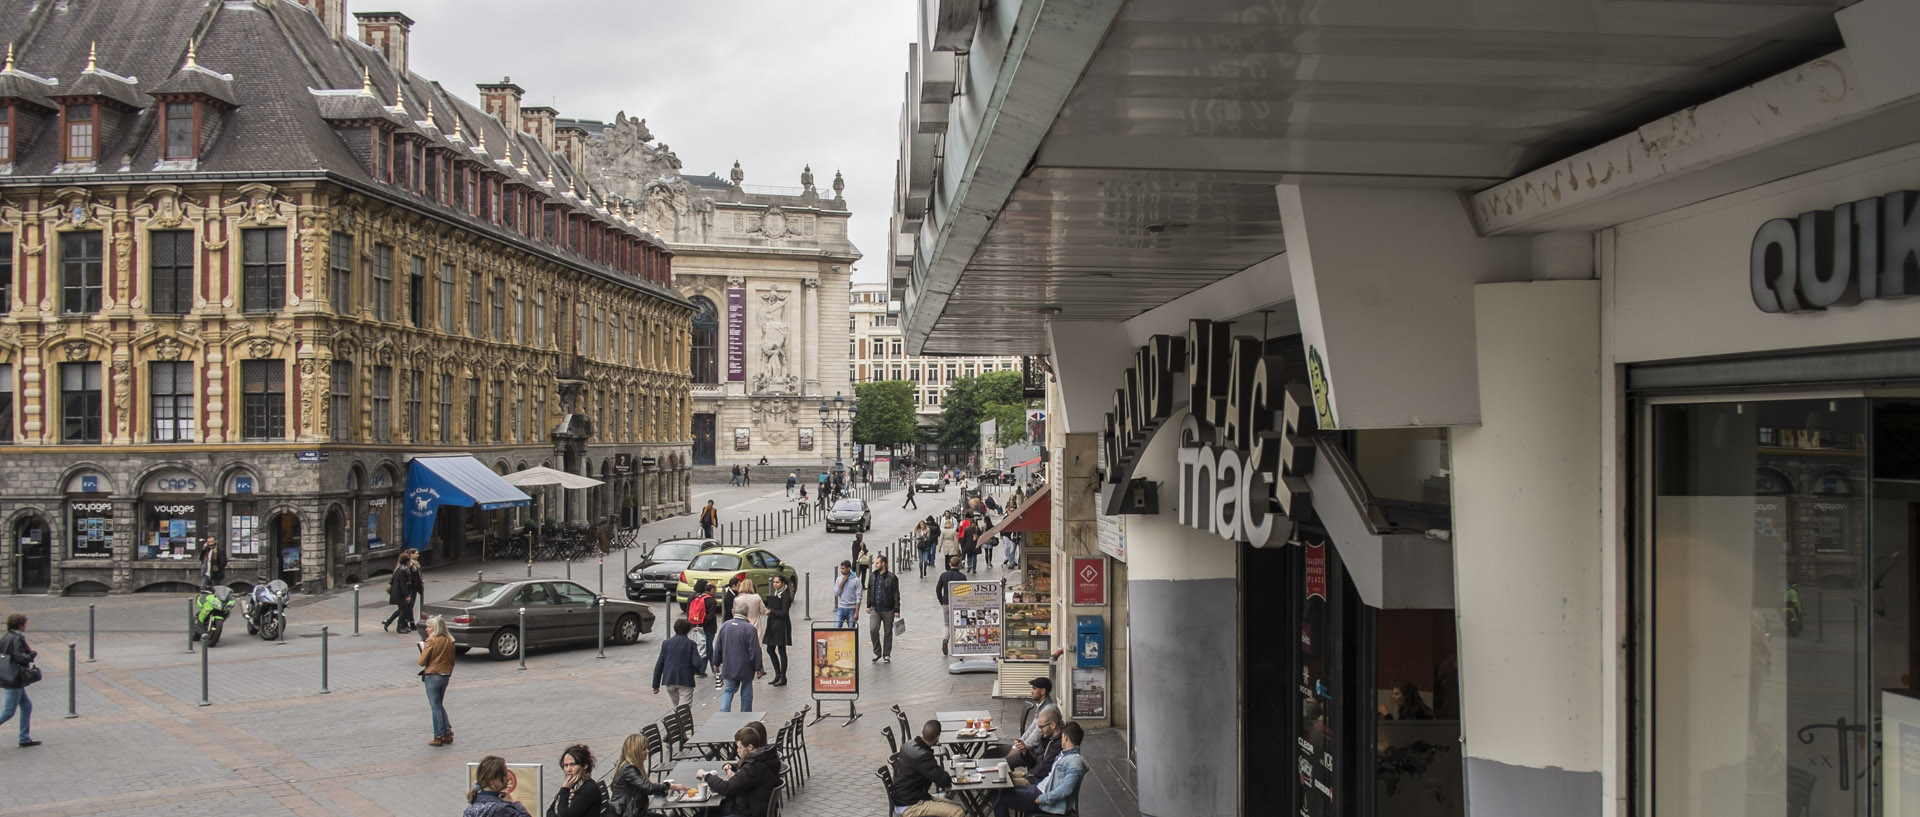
703	431
34	541
287	553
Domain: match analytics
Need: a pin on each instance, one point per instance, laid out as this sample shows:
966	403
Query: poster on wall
92	530
974	618
882	470
528	782
1090	692
1110	536
1900	761
806	439
742	438
836	662
736	335
1089	580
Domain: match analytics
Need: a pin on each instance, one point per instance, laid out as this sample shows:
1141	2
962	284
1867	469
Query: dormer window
80	133
180	130
382	155
6	134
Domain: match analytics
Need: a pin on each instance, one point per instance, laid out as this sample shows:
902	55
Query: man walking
793	478
883	606
679	661
912	498
846	596
735	479
709	516
737	650
952	575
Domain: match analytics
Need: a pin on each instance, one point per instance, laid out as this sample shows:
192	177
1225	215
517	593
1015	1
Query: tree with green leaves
886	413
970	401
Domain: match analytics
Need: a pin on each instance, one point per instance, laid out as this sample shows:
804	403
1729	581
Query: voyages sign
1246	444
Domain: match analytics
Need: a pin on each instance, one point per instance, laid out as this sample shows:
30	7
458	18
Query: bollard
603	575
479	576
89	633
191	613
808	585
282	640
569	568
203	676
529	568
624	567
323	660
73	666
356	610
523	638
602	628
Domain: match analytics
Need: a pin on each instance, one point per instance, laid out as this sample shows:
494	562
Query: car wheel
627	629
505	645
462	650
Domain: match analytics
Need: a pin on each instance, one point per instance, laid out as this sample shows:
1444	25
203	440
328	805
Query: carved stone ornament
78	350
166	207
810	283
260	348
169	349
773	224
736	281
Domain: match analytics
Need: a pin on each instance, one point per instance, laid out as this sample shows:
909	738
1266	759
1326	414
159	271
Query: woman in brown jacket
436	668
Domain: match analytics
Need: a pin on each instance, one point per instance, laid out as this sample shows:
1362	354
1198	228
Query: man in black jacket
883	606
914	769
1039	757
952	575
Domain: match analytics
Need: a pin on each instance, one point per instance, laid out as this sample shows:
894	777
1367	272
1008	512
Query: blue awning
459	481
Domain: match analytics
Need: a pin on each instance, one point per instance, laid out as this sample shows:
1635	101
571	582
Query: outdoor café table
978	798
952	722
682	773
713	738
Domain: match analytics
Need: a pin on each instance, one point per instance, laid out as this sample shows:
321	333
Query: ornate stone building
767	270
251	267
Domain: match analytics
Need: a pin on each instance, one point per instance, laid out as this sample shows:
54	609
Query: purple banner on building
736	335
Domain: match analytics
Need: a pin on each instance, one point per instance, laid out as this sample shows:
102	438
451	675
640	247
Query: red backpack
697	611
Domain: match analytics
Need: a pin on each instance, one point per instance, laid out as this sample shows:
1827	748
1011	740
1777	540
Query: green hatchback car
719	565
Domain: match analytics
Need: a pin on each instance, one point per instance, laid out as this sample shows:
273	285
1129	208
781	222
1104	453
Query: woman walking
492	792
862	558
949	535
580	794
436	669
17	656
779	632
631	786
400	594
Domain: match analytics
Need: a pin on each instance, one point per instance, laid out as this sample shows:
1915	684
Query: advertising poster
528	779
736	335
974	618
836	661
742	438
1900	760
1089	580
883	470
806	439
1090	692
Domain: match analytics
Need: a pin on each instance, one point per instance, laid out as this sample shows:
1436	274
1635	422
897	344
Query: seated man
1039	758
914	769
1058	791
1040	697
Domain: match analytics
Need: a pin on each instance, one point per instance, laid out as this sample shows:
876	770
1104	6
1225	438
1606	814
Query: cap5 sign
1246	444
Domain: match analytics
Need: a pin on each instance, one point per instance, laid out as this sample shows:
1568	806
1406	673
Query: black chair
906	731
773	799
656	751
800	743
783	748
886	788
893	745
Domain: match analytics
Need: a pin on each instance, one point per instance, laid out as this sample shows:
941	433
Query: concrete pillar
810	291
1183	593
1529	560
1090	359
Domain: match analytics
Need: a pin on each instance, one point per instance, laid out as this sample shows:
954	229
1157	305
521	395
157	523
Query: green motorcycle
207	615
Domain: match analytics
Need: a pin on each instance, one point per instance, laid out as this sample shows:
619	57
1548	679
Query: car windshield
714	561
847	505
676	551
479	591
929	475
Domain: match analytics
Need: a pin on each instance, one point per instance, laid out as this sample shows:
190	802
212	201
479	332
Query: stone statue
775	332
806	177
737	175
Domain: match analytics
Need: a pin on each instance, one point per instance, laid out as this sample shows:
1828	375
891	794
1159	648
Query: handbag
30	675
900	625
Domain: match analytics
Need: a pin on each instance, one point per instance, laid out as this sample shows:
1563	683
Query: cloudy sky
774	83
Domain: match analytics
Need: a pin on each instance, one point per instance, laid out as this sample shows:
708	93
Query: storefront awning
1034	461
458	481
1036	513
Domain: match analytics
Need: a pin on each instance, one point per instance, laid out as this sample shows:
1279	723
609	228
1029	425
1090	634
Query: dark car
998	477
487	614
850	514
660	571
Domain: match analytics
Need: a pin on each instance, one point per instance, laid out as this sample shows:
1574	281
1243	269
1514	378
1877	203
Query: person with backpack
970	542
703	612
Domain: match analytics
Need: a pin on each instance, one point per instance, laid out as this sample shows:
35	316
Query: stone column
810	291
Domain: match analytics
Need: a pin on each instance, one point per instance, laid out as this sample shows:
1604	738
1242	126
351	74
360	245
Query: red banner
1317	571
1089	580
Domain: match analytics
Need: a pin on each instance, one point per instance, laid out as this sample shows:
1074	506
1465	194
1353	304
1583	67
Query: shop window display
1029	626
171	530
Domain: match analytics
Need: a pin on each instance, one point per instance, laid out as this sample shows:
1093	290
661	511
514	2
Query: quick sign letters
1858	251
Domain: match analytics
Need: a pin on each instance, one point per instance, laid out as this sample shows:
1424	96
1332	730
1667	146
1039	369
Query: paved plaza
270	743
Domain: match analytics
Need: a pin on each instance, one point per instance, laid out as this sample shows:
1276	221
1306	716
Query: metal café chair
893	746
906	732
800	743
886	787
656	752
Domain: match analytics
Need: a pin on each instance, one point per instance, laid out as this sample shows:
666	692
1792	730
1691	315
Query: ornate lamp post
838	416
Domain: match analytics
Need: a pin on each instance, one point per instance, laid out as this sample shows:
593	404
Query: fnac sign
1246	445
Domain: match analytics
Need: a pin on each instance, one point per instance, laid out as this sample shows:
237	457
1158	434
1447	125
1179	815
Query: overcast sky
774	83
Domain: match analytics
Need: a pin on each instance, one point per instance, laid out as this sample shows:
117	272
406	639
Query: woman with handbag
862	558
436	670
16	674
779	634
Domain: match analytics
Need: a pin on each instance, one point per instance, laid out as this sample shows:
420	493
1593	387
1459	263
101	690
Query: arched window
706	334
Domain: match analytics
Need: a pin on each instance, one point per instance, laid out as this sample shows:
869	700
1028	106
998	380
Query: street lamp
838	416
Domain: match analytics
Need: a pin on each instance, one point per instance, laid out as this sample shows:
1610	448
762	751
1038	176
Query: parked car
719	565
929	481
660	571
487	614
850	514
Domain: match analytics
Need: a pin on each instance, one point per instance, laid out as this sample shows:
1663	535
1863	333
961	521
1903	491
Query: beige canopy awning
542	475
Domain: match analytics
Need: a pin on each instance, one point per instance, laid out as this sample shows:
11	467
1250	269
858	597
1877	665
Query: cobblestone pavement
270	743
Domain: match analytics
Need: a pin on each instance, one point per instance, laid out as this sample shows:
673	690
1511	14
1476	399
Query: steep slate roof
288	83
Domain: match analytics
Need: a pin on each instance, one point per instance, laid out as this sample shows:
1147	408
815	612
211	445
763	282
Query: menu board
974	618
836	661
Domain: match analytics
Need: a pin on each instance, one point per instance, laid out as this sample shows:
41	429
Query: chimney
572	141
501	100
538	122
332	14
387	32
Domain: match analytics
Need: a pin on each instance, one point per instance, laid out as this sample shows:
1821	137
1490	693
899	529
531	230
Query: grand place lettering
1245	446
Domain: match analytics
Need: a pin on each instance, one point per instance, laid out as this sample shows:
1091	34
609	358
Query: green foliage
886	413
1010	421
967	405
